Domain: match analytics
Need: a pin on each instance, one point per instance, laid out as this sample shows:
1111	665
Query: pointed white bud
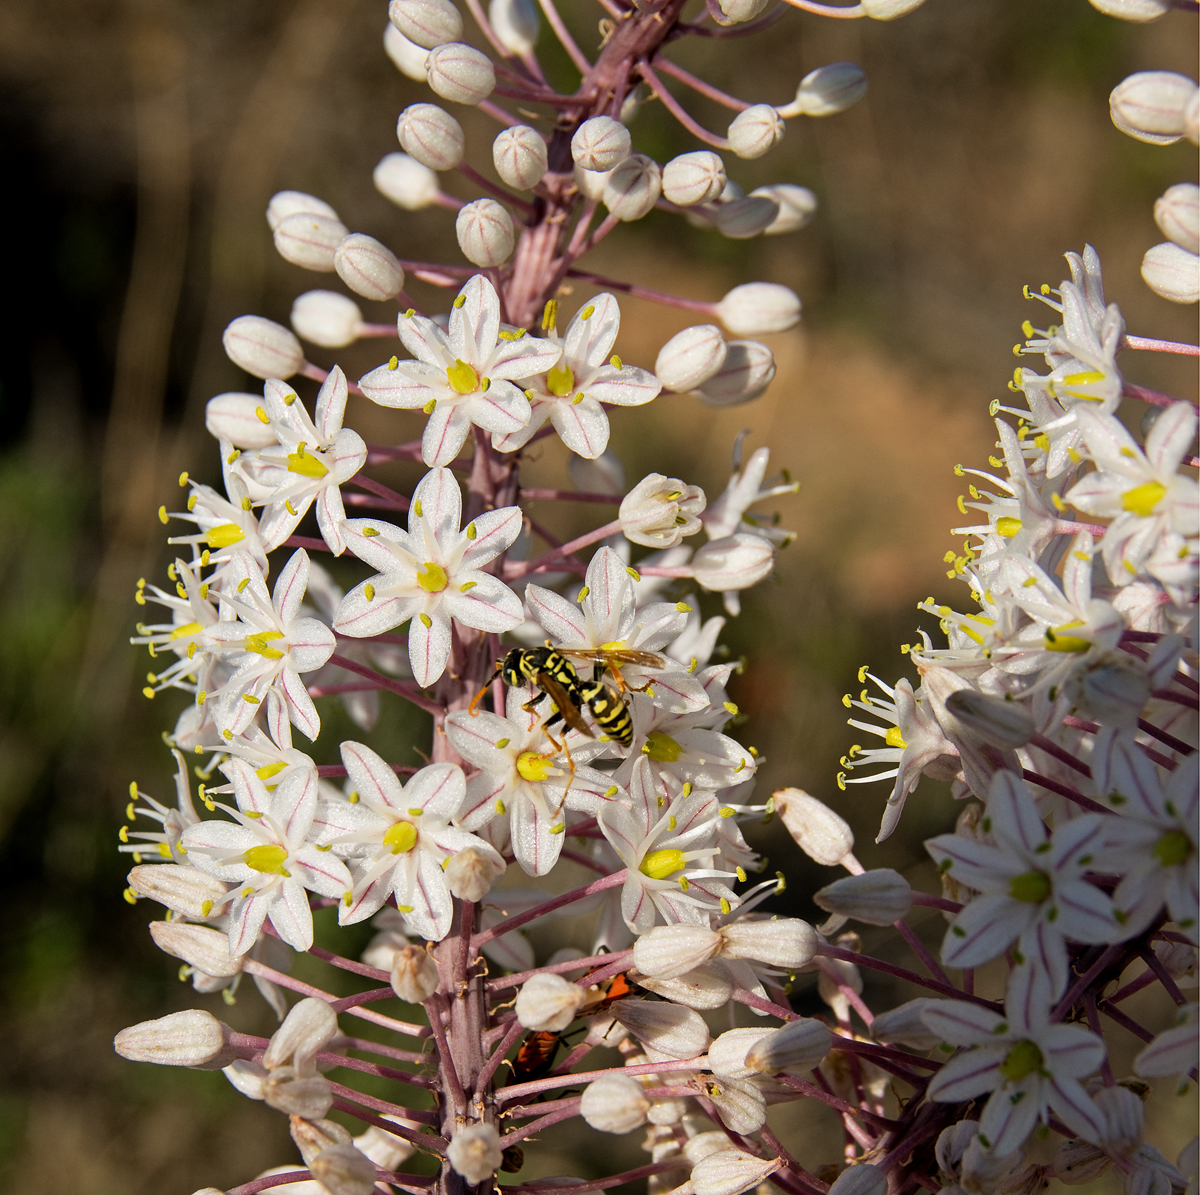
797	1046
614	1104
889	10
548	1003
604	475
758	307
296	203
431	135
742	1106
407	56
516	23
828	90
232	417
727	1055
414	975
1124	1118
205	949
820	833
310	1096
697	177
183	890
591	183
671	1030
730	1172
342	1170
659	511
704	987
797	206
1133	10
485	233
747	371
746	218
368	267
327	318
519	155
905	1025
404	181
386	1150
785	942
310	240
474	1152
193	1038
670	950
471	873
460	73
691	357
1150	105
429	23
1172	272
307	1029
997	721
734	562
863	1179
704	1145
755	131
632	187
878	897
600	143
262	347
313	1137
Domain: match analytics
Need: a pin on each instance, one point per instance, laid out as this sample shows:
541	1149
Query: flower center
660	864
432	578
462	377
1033	887
534	767
224	535
306	464
1172	848
1142	499
894	738
401	837
258	643
560	381
268	858
662	748
1023	1059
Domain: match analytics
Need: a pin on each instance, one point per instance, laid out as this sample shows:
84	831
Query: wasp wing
566	704
615	655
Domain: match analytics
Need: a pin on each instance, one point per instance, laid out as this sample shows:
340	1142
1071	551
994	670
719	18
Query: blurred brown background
140	142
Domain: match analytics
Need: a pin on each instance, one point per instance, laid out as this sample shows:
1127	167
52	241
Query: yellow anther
290	508
162	515
417	509
503	742
369	591
393	363
459	301
467	585
426	621
262	415
501	808
429	407
558	829
687	788
583	593
588	311
550	315
615	362
726	907
733	709
634	573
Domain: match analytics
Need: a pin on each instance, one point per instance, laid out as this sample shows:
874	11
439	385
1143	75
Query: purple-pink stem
596	1184
678	111
1155	964
507	982
856	1001
1063	790
1133	986
919	949
866	960
406	689
714	93
541	495
383	1072
350	1100
328	770
641	292
1153	397
1060	753
557	902
1167	740
470	173
543	1122
1125	1022
814	1092
519	570
936	902
447	1072
377	454
1082	984
497	113
1162	346
515	1090
380	491
1093	728
496	1058
307	542
381	331
384	1051
309	370
772	1142
733	30
565	39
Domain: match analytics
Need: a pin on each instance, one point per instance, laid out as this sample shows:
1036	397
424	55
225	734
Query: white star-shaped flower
464	377
431	574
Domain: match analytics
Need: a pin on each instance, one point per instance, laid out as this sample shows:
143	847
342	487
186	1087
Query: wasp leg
570	765
487	685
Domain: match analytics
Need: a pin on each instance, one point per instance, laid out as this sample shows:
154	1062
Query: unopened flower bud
704	987
1172	272
746	218
905	1025
205	949
691	357
742	1105
833	975
1077	1162
828	90
368	267
460	73
730	1172
407	56
889	10
1150	105
193	1038
1124	1118
734	562
485	233
262	347
746	372
632	187
519	155
471	872
785	942
997	721
386	1150
313	1137
183	890
604	475
414	975
756	130
659	511
326	318
1115	687
878	897
736	12
600	143
309	1096
1177	213
614	1104
1133	10
1191	119
307	1029
431	135
727	1055
758	307
474	1152
591	183
697	177
863	1179
703	1145
310	240
295	203
671	1030
232	417
516	23
342	1170
820	833
669	950
797	1046
429	23
404	181
797	206
547	1003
